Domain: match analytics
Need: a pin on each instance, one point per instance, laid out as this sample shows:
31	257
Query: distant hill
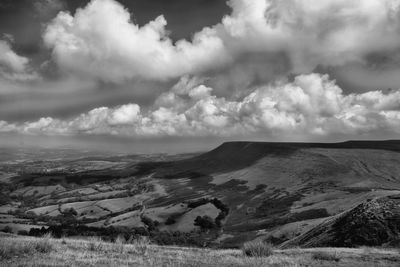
237	155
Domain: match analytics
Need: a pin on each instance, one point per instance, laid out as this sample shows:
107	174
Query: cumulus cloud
12	65
9	60
101	41
310	105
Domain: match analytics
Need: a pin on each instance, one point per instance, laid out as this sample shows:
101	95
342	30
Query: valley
238	192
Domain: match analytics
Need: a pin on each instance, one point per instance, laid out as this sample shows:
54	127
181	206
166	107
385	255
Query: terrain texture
288	194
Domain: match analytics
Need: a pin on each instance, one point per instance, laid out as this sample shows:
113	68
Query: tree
205	222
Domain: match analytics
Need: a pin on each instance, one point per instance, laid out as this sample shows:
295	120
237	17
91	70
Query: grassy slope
53	252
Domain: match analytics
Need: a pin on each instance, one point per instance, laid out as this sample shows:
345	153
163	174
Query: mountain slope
373	223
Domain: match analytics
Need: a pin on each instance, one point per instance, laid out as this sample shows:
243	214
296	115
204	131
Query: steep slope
373	223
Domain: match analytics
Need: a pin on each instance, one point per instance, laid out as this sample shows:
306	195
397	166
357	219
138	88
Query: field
27	251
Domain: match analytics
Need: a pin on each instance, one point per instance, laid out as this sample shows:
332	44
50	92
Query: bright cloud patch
101	41
311	104
13	67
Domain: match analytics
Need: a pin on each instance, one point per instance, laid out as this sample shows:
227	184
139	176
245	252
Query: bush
257	249
325	256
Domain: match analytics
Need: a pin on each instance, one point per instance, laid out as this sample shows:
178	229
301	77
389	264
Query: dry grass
257	249
95	244
27	251
13	249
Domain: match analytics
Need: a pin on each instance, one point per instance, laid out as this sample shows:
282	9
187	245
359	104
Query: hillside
241	190
375	222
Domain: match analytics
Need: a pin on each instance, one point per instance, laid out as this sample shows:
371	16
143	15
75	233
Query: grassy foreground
28	251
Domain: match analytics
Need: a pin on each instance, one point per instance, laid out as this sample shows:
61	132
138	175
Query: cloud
9	60
252	73
12	65
102	42
328	32
311	105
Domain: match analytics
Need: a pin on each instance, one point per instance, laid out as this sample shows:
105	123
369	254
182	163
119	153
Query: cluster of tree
112	233
204	221
197	203
151	224
224	211
68	216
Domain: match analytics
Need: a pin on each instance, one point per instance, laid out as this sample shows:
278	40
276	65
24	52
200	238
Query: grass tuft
95	244
119	245
257	249
141	245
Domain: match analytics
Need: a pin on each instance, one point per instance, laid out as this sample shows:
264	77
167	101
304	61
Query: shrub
325	256
257	249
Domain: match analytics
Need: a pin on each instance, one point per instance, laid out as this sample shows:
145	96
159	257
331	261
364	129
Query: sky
156	75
